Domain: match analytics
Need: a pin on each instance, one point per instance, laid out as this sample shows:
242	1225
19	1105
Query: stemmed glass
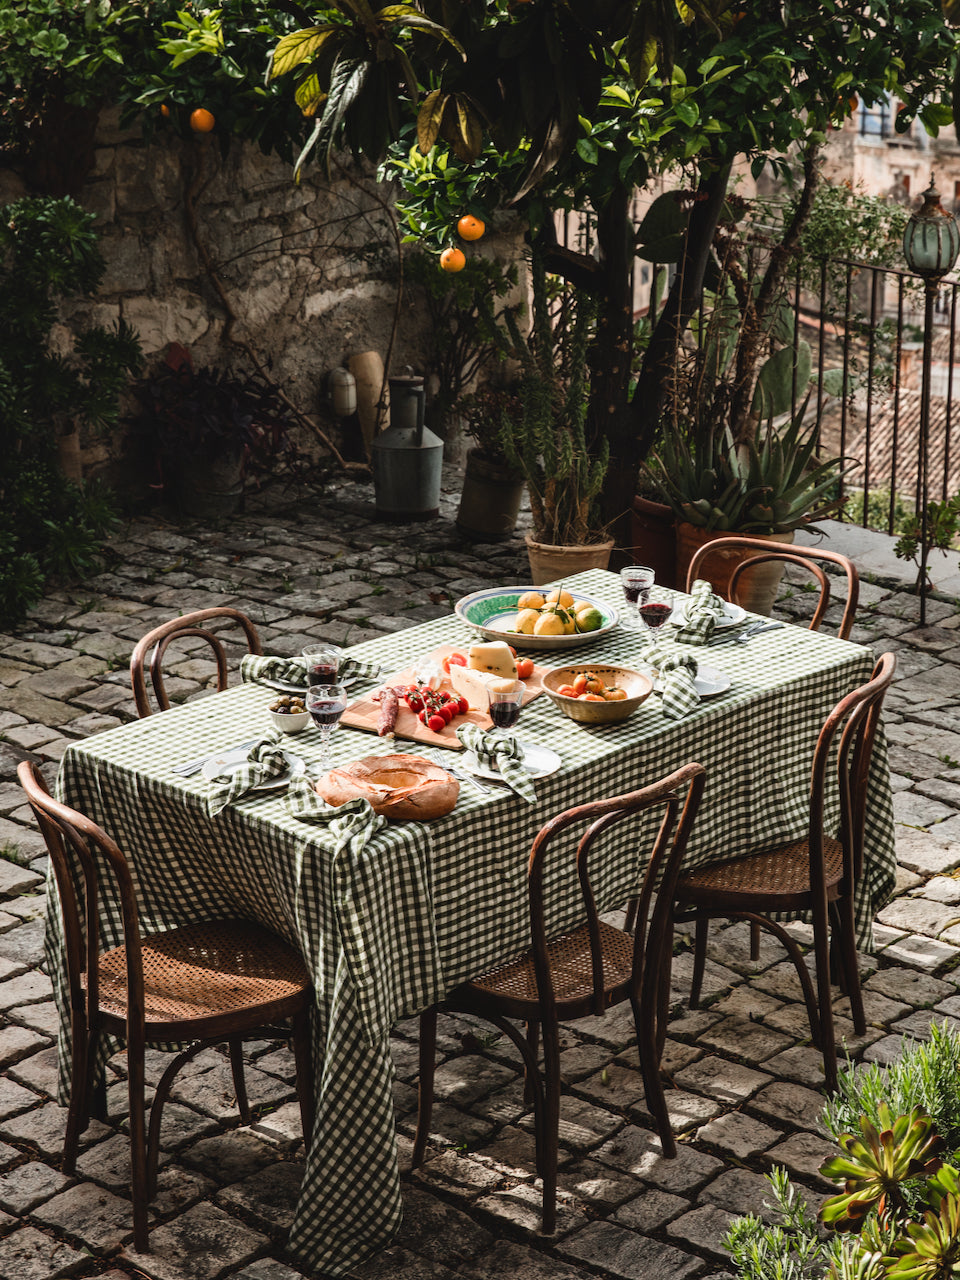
326	704
653	613
504	709
636	580
323	663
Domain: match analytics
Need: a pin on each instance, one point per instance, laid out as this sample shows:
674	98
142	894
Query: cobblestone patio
744	1076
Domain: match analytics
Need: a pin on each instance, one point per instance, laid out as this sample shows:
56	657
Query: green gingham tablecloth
388	932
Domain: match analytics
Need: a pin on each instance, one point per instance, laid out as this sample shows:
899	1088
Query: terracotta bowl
638	687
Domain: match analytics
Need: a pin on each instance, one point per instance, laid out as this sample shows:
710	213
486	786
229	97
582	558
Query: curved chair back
847	737
678	798
809	558
67	832
152	647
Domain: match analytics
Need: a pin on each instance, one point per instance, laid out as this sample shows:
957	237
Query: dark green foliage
48	526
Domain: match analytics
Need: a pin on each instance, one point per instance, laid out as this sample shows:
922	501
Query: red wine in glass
504	714
321	673
326	704
654	613
326	712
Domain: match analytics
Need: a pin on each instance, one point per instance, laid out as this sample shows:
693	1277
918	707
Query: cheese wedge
476	686
495	657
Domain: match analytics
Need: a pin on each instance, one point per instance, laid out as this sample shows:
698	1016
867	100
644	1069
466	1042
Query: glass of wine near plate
504	709
636	580
326	704
323	663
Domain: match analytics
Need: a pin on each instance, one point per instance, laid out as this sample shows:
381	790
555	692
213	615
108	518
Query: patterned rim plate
230	761
733	615
538	761
492	613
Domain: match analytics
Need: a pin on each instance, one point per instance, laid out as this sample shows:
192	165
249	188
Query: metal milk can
407	457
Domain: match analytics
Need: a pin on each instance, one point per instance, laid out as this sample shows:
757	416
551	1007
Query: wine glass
326	704
636	580
504	708
653	613
323	663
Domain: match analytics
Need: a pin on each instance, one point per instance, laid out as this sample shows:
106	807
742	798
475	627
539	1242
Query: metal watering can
407	457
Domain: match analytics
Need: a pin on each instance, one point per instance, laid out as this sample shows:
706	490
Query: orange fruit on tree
202	120
452	259
470	228
164	111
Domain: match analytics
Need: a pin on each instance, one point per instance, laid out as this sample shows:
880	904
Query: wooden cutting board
365	713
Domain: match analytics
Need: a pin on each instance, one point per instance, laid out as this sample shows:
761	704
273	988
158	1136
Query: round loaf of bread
405	788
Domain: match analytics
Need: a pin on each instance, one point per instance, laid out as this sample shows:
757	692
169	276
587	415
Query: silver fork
757	629
443	759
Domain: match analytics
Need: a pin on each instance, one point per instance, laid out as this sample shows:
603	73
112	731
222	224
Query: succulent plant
771	484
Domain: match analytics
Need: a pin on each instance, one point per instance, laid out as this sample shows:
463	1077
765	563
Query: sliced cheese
495	657
476	686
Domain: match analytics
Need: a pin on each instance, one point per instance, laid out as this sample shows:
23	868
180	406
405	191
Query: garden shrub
50	527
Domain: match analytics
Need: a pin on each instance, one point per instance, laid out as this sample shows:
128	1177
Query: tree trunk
652	395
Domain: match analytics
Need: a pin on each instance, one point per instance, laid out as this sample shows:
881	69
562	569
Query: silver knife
194	766
442	760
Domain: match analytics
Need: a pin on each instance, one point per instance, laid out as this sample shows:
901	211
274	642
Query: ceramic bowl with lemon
537	617
597	693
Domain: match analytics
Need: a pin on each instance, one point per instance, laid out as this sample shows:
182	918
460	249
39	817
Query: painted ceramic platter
733	615
538	761
230	761
708	681
492	612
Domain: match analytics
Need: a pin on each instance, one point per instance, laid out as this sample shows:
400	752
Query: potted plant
204	432
767	487
547	440
492	488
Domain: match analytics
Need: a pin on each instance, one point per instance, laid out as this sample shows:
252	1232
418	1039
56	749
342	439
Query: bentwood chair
209	982
152	647
711	558
586	969
817	874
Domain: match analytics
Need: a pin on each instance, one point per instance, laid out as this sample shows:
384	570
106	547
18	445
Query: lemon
549	624
589	618
526	620
563	598
530	600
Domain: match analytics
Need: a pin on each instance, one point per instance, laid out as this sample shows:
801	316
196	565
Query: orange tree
574	103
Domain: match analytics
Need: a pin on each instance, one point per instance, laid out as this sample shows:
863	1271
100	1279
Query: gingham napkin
294	670
351	824
265	760
677	671
502	754
700	615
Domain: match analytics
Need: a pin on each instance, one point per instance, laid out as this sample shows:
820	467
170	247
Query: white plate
708	682
230	761
284	686
538	761
733	615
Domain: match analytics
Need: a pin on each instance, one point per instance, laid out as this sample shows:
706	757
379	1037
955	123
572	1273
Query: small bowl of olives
289	713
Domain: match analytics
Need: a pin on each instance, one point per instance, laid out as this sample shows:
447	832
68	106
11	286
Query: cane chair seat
779	873
514	985
205	972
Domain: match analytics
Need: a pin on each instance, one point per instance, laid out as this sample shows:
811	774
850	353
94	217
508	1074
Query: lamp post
931	243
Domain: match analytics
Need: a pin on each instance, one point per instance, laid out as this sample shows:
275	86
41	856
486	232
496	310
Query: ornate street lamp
931	243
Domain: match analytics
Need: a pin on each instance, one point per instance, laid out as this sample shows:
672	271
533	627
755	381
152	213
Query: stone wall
309	270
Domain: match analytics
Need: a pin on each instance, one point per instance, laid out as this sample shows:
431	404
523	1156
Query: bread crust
401	787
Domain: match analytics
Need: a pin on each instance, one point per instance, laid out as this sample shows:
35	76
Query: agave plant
771	484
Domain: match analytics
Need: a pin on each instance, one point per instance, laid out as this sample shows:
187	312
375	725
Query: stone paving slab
743	1081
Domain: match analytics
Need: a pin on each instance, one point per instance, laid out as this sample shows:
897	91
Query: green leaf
293	49
587	150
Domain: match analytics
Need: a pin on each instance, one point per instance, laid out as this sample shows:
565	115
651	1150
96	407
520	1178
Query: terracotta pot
490	501
654	539
549	563
756	589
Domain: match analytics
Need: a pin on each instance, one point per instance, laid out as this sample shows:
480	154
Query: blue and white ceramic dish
492	612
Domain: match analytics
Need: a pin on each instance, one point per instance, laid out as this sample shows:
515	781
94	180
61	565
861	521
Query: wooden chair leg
549	1153
428	1058
649	1046
821	947
139	1171
235	1044
699	960
845	938
754	941
303	1057
78	1111
529	1083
